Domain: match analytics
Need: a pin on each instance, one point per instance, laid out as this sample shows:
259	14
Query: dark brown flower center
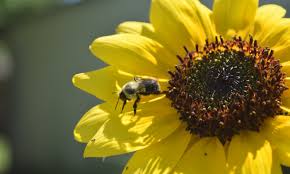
226	87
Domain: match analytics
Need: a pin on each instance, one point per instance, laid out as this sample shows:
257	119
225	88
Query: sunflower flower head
227	87
197	87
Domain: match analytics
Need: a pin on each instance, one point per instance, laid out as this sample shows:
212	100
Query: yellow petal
135	54
159	158
144	29
286	94
276	167
234	17
272	30
276	34
90	123
265	17
205	156
125	133
101	83
286	68
276	130
132	27
278	39
249	153
106	82
282	50
181	23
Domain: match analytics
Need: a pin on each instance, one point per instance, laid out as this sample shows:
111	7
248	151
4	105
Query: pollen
226	87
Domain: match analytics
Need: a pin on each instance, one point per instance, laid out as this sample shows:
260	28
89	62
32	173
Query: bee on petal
136	88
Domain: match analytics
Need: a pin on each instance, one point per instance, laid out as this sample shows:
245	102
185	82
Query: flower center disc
227	87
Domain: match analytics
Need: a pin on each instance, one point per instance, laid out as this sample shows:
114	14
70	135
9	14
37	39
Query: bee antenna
117	103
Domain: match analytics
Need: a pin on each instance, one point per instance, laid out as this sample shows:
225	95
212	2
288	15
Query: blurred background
42	44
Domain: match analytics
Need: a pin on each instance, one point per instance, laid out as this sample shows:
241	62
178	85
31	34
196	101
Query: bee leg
117	103
135	104
124	103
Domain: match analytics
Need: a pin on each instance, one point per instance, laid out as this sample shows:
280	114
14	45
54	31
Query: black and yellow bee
136	88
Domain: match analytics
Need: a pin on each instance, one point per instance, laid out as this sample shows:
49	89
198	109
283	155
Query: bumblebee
136	88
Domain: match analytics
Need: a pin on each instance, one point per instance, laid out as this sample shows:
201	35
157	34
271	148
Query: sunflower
224	101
